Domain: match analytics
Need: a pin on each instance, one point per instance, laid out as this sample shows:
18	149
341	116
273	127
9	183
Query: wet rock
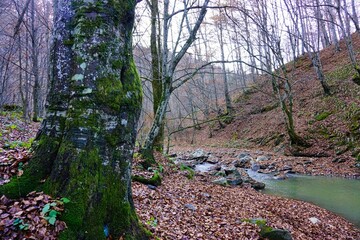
280	176
220	181
257	185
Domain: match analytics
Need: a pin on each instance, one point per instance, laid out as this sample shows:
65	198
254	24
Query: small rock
152	187
255	167
243	155
262	158
221	181
308	162
206	195
339	160
314	220
199	153
229	169
242	162
277	234
212	159
286	168
271	166
190	206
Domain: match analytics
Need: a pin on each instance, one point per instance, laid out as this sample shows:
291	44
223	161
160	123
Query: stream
339	195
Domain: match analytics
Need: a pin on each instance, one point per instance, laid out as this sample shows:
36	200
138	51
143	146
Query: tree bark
85	145
156	80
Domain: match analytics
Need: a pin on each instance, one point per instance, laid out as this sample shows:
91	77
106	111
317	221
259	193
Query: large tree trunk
85	145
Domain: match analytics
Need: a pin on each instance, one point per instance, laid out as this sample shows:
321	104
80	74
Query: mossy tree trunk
156	64
85	145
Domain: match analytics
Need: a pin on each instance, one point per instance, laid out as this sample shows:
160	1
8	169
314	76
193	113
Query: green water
339	195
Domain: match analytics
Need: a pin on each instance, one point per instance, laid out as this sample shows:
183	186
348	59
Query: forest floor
182	207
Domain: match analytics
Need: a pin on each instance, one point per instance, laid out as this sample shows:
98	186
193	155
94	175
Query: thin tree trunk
35	64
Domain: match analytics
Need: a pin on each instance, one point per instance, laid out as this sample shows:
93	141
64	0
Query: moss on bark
89	160
154	180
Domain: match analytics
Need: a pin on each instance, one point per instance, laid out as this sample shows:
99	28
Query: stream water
339	195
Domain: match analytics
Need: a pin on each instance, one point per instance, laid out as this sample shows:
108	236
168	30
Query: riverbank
315	166
183	208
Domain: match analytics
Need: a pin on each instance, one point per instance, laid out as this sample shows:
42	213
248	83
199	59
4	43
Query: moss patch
322	116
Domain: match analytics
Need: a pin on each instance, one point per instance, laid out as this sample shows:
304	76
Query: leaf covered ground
183	208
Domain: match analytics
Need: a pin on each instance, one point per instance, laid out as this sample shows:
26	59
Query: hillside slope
329	123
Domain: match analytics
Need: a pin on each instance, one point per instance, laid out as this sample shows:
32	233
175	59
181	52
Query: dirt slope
329	123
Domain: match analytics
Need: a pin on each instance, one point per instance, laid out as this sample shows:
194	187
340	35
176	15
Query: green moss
38	169
154	180
148	158
341	73
322	116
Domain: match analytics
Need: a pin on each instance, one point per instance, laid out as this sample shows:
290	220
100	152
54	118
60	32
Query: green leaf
52	220
65	200
53	204
24	227
17	221
53	213
45	209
